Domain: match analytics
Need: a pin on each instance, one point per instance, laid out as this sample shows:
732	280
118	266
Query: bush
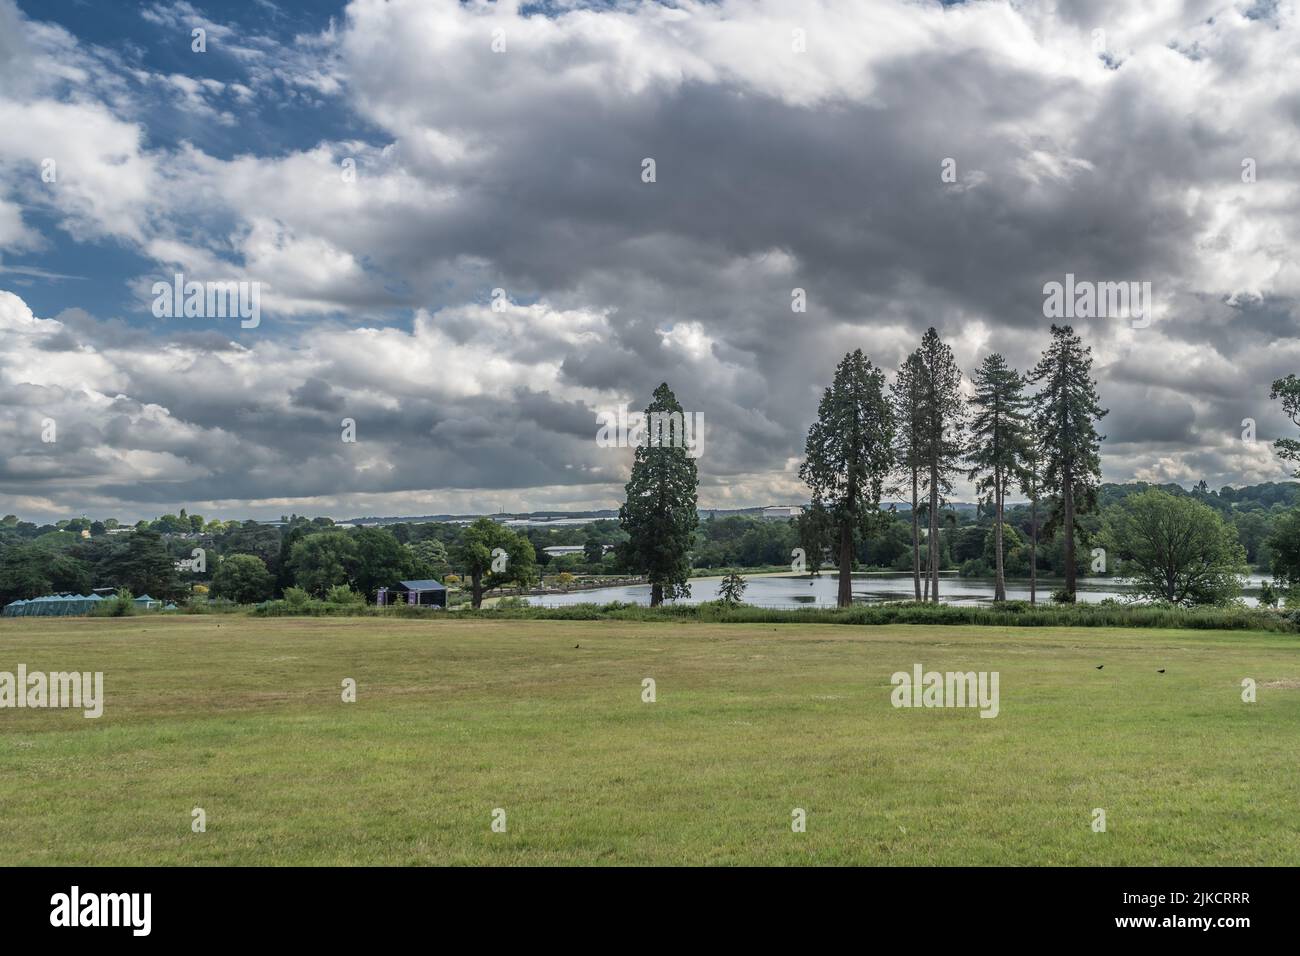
344	595
296	597
1010	614
121	604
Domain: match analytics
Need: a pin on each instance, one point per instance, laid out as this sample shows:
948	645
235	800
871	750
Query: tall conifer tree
999	437
849	455
1067	408
659	514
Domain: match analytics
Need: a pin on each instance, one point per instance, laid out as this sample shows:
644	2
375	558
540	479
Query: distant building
560	550
782	512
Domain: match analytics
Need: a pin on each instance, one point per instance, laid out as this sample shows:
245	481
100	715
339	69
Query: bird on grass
576	646
1100	666
1160	671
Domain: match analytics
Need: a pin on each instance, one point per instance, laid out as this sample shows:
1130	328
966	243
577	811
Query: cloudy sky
379	167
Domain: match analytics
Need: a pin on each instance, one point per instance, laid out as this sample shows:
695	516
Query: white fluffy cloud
1114	156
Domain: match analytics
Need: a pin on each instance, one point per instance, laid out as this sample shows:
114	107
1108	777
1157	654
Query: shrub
121	604
344	595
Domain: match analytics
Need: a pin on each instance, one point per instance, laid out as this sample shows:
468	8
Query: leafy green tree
431	558
942	427
659	514
1288	389
848	456
999	436
242	578
260	540
732	589
1284	547
29	570
515	561
1175	548
320	561
1067	407
593	550
379	560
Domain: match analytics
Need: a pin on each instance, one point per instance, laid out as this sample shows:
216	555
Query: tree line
1030	433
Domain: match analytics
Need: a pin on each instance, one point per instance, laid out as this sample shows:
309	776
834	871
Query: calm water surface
789	591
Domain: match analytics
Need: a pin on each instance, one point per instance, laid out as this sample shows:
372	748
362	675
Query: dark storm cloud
522	172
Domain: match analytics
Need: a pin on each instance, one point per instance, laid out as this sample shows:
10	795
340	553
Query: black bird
1100	666
576	646
1161	671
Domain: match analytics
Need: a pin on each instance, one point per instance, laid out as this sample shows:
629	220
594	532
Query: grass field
244	718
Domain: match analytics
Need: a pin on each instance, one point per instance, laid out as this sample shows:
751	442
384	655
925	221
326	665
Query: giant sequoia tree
659	514
849	454
1068	406
942	431
999	441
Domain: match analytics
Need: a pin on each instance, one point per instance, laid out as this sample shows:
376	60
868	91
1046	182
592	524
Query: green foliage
1288	390
144	566
1000	441
344	595
242	578
1176	549
121	604
473	553
320	561
30	570
1284	546
1067	407
378	561
848	456
431	559
1006	614
659	513
732	589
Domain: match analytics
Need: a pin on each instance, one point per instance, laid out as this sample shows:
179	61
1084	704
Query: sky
445	210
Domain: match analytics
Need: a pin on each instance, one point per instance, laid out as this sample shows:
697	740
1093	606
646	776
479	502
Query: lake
790	590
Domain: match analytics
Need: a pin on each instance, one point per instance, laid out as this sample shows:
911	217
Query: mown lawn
244	718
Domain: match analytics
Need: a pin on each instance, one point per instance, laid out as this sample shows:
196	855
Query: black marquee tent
416	593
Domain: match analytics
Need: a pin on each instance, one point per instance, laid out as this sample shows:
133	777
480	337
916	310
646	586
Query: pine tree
1031	487
659	514
849	455
909	448
999	435
943	424
1067	407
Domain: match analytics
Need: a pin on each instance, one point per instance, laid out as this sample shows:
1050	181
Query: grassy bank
1010	614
